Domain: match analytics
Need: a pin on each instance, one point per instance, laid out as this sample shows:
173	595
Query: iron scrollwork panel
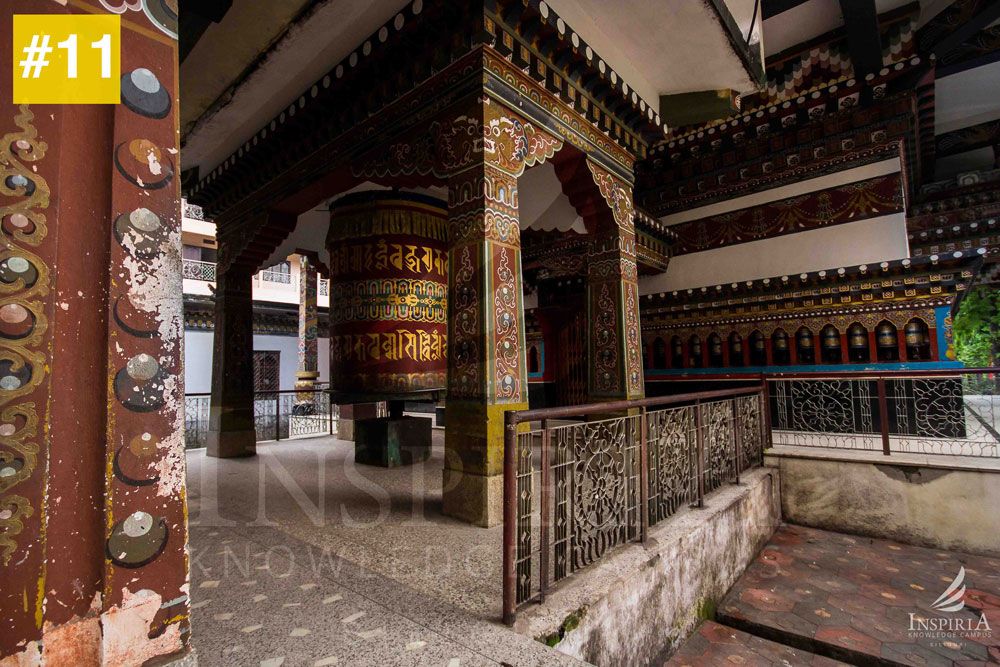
525	515
748	411
604	488
831	406
670	451
717	423
944	415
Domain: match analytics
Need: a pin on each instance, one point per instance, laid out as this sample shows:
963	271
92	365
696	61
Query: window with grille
266	370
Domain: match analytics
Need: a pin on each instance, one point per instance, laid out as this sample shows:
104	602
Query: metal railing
198	270
575	490
269	276
278	415
949	412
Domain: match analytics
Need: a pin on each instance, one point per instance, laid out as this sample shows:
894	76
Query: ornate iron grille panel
282	277
751	431
578	485
671	443
589	496
958	416
604	487
196	411
720	444
198	270
277	415
525	513
562	462
938	414
825	412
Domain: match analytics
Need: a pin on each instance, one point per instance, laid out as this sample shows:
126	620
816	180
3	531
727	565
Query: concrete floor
301	557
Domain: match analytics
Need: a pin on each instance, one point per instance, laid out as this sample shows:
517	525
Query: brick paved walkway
856	599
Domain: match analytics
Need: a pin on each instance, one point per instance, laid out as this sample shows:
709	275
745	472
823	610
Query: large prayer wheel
388	296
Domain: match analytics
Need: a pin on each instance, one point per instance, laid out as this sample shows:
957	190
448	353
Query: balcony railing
280	277
278	415
950	412
575	490
194	269
198	270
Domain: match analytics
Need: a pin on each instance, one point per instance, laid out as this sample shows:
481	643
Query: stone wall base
634	606
941	502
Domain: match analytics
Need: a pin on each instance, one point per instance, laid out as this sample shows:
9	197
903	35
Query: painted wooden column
231	431
93	528
487	364
308	369
613	295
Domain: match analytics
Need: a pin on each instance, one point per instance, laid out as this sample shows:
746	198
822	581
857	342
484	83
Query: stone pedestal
391	442
349	414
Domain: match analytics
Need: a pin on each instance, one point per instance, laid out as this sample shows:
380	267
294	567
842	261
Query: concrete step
713	644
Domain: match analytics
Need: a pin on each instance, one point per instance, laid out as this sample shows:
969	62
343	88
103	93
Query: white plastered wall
864	242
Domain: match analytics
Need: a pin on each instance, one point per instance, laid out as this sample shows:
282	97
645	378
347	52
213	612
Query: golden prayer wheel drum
915	335
857	337
780	340
805	339
715	345
831	339
388	296
885	337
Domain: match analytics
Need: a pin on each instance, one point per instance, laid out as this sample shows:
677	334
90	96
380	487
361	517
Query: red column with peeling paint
92	514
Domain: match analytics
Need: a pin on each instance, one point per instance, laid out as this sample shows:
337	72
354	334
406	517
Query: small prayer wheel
805	339
780	341
885	337
915	335
857	338
831	338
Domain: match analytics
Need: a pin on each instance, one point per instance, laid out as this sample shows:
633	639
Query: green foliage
977	327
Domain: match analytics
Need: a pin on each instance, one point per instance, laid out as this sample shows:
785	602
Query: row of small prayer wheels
856	345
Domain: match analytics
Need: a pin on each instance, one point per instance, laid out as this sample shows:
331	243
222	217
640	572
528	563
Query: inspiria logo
952	601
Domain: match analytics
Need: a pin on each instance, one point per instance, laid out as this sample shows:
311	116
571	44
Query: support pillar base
350	414
472	498
231	444
391	442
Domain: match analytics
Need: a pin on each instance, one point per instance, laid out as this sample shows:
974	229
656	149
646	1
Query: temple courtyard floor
301	557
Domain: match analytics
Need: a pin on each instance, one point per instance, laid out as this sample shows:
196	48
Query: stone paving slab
868	601
261	597
714	645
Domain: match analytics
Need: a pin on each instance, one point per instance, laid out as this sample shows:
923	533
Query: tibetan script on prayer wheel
388	295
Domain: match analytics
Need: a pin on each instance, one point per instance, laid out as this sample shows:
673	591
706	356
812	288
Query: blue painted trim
940	314
652	373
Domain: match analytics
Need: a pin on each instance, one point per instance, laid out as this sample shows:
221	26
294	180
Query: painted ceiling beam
957	24
982	49
863	37
983	135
